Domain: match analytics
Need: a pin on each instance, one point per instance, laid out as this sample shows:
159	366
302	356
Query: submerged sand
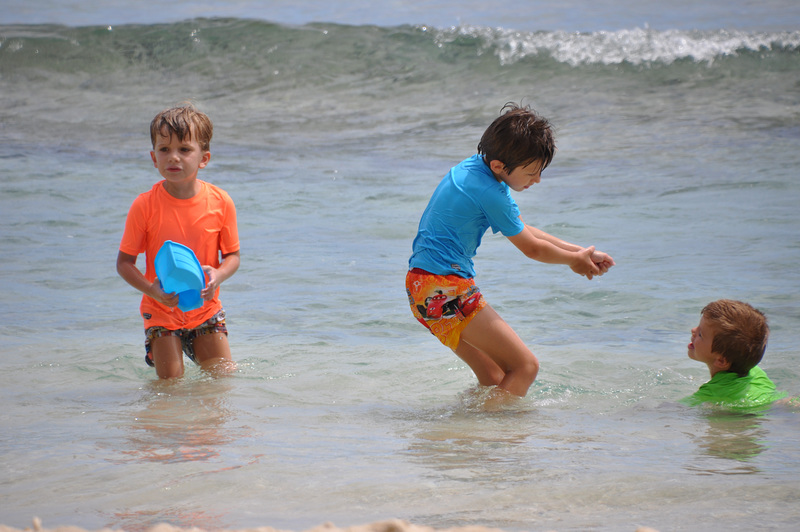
393	525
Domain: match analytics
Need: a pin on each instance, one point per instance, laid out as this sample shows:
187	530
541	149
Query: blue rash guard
467	202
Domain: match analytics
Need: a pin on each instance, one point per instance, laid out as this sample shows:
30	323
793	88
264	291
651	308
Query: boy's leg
212	350
489	334
486	369
167	356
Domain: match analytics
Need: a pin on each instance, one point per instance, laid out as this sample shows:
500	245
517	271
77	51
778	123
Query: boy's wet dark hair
185	122
740	333
517	138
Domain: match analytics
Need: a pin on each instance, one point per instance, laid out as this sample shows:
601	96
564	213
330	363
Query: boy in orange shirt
196	214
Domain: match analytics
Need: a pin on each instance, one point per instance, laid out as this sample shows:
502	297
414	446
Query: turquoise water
677	155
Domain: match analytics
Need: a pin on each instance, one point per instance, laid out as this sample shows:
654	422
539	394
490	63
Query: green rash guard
728	389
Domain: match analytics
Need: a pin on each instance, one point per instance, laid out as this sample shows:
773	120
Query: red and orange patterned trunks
445	304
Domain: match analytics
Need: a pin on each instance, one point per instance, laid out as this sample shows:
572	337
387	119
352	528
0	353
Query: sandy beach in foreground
393	525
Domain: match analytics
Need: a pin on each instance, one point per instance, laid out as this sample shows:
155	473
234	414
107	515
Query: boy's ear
153	156
205	159
721	363
497	167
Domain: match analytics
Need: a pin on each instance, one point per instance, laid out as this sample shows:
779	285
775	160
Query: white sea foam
635	46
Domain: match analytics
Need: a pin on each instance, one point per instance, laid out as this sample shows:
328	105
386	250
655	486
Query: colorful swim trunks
445	304
215	324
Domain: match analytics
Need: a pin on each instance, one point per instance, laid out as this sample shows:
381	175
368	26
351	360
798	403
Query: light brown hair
740	333
184	121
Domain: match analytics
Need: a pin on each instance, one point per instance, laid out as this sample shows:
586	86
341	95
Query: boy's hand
584	265
157	293
216	276
211	285
603	261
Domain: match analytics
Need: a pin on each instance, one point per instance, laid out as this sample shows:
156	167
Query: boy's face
700	346
178	161
521	177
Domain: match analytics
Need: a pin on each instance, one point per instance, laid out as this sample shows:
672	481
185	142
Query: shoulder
725	378
759	377
718	384
216	192
474	165
145	198
476	176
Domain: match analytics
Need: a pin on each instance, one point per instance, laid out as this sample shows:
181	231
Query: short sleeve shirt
206	223
468	201
729	389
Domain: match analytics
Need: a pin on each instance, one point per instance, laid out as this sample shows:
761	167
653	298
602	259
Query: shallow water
677	155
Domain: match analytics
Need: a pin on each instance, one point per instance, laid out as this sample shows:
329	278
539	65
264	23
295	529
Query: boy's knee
531	367
495	377
169	372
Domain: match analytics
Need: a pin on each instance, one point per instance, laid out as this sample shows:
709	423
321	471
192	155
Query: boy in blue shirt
731	339
471	198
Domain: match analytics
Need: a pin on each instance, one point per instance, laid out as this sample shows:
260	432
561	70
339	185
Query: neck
182	190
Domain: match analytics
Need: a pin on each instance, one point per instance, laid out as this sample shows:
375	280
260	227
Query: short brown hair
740	333
517	138
184	121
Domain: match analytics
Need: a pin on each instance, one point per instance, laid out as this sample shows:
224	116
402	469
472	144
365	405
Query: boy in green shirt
731	339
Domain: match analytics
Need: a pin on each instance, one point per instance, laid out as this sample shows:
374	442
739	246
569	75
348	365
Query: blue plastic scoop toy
179	271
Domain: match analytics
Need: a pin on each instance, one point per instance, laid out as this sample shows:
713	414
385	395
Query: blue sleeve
501	211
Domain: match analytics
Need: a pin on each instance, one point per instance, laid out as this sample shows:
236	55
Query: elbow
533	253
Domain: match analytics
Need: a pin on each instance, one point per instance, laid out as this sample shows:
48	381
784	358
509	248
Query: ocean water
678	131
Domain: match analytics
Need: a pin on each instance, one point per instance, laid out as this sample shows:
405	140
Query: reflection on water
180	427
182	420
479	440
732	436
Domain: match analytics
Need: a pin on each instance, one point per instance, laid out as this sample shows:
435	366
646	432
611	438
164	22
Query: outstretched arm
126	268
544	247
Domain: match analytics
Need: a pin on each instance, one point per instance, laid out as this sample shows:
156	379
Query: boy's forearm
228	266
134	277
551	253
542	249
542	235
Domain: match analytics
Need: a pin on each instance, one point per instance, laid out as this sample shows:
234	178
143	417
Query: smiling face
521	177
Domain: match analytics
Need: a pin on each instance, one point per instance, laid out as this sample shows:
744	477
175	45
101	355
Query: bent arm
547	237
544	247
126	268
216	276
